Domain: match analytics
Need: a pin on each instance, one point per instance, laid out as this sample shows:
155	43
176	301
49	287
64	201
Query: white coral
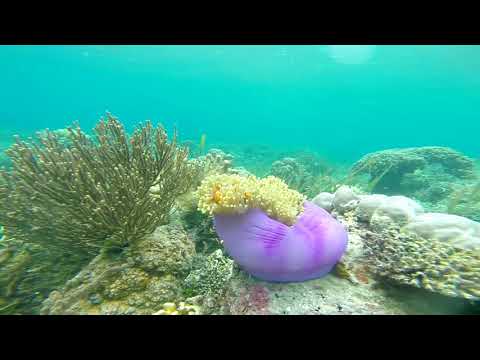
456	230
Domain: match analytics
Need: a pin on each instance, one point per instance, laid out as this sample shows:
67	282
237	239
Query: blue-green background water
342	101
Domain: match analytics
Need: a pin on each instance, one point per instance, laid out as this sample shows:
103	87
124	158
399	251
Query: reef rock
139	281
168	250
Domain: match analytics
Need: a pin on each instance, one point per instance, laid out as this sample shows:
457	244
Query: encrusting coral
211	277
235	194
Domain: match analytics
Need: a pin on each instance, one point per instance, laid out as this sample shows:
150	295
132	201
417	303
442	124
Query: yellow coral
235	194
182	309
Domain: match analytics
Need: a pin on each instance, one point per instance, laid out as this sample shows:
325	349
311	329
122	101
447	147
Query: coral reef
181	309
324	200
464	200
234	194
395	239
257	158
65	204
304	173
211	278
200	229
63	136
331	295
168	250
28	272
252	299
139	281
293	173
388	169
432	265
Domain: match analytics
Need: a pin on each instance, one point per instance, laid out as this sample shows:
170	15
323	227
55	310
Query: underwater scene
239	180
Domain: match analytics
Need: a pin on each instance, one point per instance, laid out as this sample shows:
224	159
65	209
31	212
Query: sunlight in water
351	54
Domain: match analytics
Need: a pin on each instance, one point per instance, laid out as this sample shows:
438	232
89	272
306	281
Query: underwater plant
110	191
270	230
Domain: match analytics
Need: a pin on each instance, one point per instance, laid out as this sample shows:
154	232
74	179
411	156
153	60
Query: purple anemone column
273	251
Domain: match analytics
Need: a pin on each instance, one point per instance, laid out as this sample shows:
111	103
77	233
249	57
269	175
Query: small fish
203	140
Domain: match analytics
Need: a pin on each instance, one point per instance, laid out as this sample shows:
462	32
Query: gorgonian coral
113	189
65	201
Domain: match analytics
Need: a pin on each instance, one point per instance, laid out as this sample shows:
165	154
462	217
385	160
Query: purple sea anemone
273	251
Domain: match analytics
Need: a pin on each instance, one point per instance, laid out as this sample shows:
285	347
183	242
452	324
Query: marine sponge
235	194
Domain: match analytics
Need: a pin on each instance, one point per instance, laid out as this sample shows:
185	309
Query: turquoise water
342	101
304	114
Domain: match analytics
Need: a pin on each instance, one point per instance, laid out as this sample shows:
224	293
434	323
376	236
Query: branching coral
112	190
234	194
